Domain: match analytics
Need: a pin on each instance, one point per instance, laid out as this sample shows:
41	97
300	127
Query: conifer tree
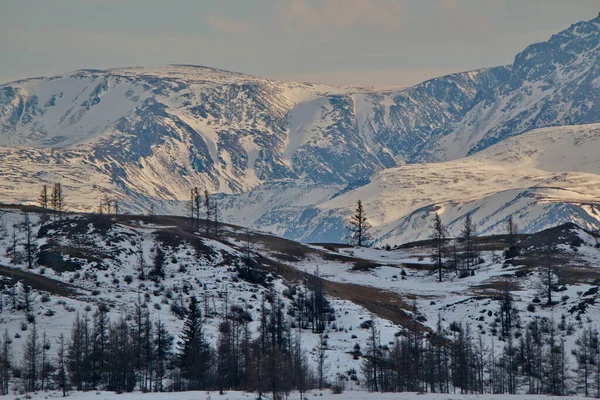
5	362
194	351
468	234
163	342
359	227
31	354
439	236
158	267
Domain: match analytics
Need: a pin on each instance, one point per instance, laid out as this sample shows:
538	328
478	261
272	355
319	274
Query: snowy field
323	395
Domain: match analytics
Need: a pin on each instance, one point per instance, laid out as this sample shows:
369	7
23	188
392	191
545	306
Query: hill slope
543	178
85	261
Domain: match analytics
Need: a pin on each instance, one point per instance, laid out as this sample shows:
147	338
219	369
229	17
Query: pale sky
352	42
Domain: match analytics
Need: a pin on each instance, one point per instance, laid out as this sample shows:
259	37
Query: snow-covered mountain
227	131
296	154
549	84
544	177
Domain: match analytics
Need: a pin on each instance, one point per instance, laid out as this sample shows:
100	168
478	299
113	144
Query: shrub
337	388
366	324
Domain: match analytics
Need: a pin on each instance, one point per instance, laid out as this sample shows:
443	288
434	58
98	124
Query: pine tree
321	361
468	234
45	362
158	271
373	359
584	353
163	342
61	371
31	354
101	324
506	311
122	357
439	236
75	357
359	227
5	362
194	352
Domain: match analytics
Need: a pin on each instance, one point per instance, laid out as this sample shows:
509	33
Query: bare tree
13	250
194	207
57	200
359	227
45	365
44	198
107	205
440	232
5	362
29	245
548	278
215	205
208	209
140	258
3	230
31	353
321	361
61	375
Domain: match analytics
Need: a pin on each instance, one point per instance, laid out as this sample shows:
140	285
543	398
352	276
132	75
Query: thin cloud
318	14
223	24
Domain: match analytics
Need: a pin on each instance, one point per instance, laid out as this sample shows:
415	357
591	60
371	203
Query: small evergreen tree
158	268
440	232
359	227
194	351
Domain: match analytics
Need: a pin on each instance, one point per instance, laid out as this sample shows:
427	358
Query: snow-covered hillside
313	394
87	260
543	178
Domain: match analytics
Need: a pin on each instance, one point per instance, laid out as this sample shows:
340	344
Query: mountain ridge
145	136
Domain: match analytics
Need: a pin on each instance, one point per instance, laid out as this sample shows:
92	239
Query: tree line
532	359
137	352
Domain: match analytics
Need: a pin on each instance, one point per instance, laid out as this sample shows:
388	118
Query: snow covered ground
543	178
106	253
311	395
